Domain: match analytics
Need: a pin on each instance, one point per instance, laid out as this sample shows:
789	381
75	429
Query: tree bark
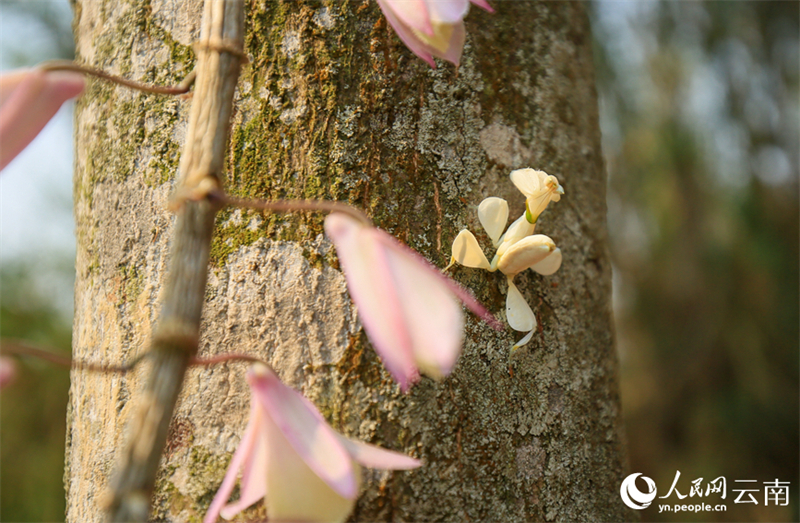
333	106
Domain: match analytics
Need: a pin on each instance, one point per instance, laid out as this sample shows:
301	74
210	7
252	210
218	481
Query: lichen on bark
333	106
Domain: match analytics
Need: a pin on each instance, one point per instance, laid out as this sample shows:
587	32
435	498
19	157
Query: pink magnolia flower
29	98
409	309
430	27
289	455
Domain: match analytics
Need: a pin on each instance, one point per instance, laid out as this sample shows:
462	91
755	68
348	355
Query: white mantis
518	248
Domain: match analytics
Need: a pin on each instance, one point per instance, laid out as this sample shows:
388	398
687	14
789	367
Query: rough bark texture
333	106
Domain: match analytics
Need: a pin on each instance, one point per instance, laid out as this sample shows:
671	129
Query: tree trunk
333	106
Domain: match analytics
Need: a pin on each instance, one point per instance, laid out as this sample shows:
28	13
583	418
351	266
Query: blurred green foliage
700	121
33	407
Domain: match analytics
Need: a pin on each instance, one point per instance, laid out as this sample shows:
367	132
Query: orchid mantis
518	248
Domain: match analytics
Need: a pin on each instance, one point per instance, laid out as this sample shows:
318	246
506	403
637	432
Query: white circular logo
632	496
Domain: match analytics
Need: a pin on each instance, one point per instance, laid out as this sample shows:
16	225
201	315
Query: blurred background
700	116
37	256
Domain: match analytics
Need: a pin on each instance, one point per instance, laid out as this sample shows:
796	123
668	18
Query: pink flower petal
306	430
373	290
463	294
413	14
483	4
9	81
448	11
253	485
406	34
378	458
441	32
432	314
455	45
242	457
296	492
34	101
408	307
288	454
